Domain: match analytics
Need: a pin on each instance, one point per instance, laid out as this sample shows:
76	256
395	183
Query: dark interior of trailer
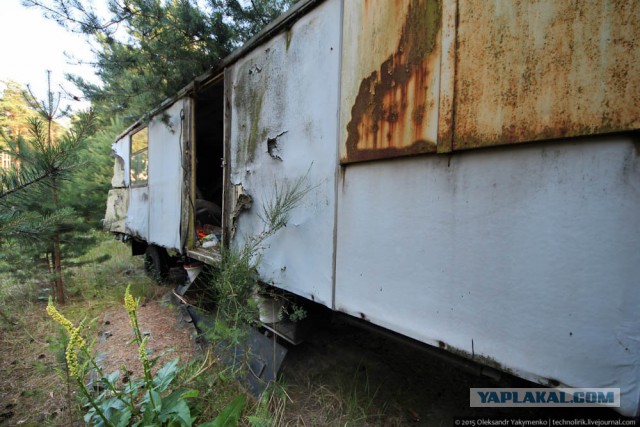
209	149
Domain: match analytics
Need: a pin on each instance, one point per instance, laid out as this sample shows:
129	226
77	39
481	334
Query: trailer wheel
156	263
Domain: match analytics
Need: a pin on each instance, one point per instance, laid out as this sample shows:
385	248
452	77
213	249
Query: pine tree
30	198
147	50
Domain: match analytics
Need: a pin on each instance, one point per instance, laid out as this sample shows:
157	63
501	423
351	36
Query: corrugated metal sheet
532	70
390	78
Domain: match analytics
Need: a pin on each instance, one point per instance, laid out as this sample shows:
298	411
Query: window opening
140	157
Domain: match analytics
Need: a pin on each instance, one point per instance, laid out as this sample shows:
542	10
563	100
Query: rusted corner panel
188	187
447	76
548	69
227	196
390	78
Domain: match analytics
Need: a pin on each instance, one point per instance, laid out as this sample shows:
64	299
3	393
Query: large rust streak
392	101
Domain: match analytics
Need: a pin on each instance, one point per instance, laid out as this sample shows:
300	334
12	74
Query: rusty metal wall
533	70
390	78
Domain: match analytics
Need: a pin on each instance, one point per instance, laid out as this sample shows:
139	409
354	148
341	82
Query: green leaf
112	378
177	395
179	411
89	415
148	414
174	407
165	375
190	394
110	404
230	416
121	418
157	400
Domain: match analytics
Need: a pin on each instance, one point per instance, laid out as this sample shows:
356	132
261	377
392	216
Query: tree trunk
57	256
57	266
52	282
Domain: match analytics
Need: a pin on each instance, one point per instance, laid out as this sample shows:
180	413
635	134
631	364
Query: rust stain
392	102
530	71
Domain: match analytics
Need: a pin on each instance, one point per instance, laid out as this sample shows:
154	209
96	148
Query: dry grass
32	386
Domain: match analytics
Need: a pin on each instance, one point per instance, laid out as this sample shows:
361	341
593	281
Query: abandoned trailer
473	170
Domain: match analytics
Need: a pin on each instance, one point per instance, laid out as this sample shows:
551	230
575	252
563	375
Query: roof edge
282	22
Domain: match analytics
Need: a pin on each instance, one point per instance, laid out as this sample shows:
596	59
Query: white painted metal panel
526	257
267	102
165	177
137	222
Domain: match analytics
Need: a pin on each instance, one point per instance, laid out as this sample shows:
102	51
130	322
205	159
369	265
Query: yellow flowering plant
145	402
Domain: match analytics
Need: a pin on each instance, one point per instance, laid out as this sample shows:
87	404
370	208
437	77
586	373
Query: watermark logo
544	397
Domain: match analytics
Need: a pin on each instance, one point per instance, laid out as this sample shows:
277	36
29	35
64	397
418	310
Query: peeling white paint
165	178
116	214
305	60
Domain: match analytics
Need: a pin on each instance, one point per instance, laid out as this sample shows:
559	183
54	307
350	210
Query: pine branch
11	184
29	224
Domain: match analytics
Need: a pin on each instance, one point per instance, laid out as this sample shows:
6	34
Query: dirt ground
31	391
170	337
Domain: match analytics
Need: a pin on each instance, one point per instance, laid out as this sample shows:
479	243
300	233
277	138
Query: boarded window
140	157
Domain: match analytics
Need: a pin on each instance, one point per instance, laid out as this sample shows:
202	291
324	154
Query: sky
31	44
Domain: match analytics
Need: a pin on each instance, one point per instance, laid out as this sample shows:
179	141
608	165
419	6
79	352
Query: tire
156	263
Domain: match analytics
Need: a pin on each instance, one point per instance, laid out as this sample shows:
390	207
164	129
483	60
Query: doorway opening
209	172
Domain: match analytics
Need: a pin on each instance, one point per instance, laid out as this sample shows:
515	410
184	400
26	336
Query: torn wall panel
116	214
278	136
137	221
120	152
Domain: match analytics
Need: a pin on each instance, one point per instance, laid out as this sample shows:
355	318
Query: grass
34	392
338	399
